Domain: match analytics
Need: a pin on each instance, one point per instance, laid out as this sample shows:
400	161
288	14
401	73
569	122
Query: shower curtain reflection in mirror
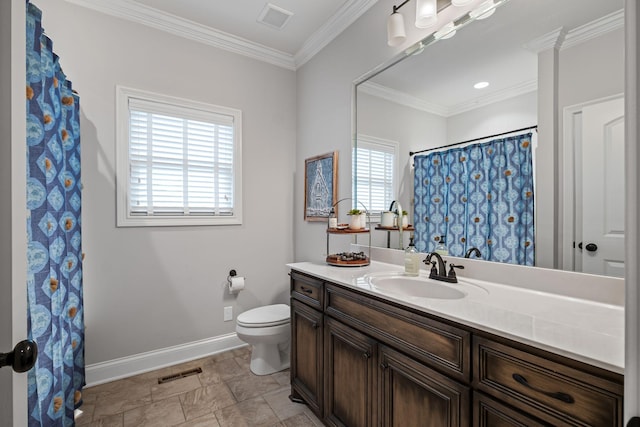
479	195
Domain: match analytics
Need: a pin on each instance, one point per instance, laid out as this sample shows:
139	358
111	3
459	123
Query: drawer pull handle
306	290
564	397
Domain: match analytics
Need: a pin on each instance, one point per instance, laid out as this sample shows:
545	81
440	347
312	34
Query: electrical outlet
228	314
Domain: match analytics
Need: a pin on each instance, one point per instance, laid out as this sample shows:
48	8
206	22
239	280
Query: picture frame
320	186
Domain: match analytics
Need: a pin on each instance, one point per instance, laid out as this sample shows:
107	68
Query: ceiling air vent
274	16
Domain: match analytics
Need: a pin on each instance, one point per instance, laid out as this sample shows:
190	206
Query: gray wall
151	288
325	97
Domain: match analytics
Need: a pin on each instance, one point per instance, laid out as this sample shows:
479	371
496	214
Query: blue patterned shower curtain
479	195
54	281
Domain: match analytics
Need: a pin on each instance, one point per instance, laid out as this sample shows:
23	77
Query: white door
603	188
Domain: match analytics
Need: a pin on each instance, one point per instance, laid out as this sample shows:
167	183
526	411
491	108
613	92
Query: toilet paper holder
232	273
235	283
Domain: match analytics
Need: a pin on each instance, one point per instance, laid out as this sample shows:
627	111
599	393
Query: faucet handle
452	267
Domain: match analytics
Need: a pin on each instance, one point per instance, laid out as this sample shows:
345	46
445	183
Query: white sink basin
410	286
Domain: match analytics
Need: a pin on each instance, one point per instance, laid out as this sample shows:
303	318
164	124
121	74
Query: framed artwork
320	186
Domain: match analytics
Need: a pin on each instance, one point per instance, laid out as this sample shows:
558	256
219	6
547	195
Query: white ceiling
234	26
239	18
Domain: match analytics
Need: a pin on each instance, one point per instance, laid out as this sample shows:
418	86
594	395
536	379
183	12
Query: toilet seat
261	317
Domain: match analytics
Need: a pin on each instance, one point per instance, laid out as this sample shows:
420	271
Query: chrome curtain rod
411	153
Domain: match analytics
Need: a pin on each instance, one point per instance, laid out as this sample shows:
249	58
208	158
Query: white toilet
268	330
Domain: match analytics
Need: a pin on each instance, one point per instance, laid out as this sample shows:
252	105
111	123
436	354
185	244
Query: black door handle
22	358
591	247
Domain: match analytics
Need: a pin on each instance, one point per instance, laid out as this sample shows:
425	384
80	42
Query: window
179	161
375	172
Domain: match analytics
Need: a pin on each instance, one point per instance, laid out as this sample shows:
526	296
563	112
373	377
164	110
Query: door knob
22	358
591	247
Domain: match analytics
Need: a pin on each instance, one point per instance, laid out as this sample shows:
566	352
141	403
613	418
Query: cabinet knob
366	355
384	366
315	325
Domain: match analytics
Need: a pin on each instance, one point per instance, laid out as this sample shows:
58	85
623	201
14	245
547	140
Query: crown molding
341	20
402	98
157	19
551	40
594	29
561	39
410	101
151	17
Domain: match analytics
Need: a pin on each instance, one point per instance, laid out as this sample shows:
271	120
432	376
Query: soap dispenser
441	247
411	259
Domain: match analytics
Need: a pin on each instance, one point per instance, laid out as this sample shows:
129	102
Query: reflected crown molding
561	39
402	98
151	17
384	92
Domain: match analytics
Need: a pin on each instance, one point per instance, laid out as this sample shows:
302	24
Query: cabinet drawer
307	289
441	346
544	388
491	413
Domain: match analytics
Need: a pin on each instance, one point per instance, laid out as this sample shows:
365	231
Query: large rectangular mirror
555	69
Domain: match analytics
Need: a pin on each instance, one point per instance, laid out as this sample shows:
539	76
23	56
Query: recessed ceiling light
481	85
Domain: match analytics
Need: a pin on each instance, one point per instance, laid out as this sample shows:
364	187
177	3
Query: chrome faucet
439	272
474	251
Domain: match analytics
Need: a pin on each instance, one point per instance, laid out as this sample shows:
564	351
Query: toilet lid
269	315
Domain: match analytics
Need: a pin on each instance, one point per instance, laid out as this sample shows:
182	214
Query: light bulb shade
426	13
445	32
395	30
483	11
460	2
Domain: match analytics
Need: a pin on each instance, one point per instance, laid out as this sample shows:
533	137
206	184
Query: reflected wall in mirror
556	65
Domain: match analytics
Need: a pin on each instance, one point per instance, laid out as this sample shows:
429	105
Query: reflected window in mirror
375	161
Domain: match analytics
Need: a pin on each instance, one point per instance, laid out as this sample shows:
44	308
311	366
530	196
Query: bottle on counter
411	259
441	247
333	219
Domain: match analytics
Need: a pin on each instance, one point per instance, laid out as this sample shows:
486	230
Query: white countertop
580	329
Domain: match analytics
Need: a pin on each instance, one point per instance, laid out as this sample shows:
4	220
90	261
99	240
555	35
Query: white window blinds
179	161
375	166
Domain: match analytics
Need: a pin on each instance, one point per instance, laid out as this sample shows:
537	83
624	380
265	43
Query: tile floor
225	394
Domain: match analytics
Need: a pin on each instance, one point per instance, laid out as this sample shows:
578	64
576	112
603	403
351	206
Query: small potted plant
354	222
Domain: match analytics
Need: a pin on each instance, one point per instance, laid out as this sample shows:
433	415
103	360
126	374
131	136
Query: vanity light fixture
481	85
426	16
426	13
395	29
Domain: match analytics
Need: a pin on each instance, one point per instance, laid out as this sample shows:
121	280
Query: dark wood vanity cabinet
414	395
359	360
350	359
307	341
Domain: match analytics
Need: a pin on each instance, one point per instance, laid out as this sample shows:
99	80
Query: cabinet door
306	355
413	395
350	362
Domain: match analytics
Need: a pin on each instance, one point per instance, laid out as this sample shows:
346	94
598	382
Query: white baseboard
111	370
